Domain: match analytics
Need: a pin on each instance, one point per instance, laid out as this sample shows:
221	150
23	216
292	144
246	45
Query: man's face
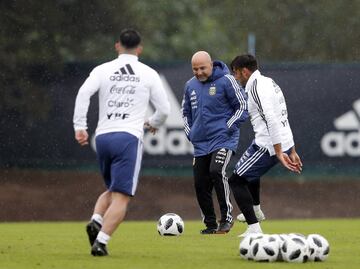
241	75
202	70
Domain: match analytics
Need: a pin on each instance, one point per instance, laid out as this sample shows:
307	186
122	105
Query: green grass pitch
137	245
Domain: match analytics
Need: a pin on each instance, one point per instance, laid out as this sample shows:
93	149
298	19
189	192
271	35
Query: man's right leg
116	212
254	188
243	198
219	161
102	203
203	188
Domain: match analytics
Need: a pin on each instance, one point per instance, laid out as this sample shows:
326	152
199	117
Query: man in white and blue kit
125	87
273	141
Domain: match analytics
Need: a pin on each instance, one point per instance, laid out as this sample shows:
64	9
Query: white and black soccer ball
279	239
265	249
295	249
170	224
319	247
245	245
297	235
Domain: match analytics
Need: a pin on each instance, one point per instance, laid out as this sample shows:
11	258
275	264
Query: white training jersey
125	88
268	113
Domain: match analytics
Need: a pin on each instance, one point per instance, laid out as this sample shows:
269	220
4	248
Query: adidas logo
345	141
125	73
220	156
170	138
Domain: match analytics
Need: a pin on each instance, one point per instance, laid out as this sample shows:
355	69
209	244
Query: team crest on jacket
212	90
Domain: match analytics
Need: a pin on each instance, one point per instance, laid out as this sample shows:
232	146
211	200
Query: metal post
251	43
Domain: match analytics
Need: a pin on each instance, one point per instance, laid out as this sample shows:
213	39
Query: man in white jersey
125	87
273	141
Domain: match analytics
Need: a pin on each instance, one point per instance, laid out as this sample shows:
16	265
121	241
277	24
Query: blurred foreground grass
137	245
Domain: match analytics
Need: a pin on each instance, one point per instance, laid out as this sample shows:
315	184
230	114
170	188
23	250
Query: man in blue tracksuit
213	108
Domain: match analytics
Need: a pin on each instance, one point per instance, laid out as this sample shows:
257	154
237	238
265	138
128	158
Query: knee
236	180
215	173
232	180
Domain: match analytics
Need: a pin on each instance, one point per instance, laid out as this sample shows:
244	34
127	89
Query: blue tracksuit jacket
213	110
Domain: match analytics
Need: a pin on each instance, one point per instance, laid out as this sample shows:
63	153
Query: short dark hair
246	60
129	38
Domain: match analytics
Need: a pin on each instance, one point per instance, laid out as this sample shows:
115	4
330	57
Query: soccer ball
245	245
279	238
319	247
170	224
265	249
295	249
297	235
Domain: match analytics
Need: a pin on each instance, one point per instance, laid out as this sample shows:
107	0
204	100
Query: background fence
323	103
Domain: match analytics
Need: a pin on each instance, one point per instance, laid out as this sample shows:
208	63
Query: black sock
243	198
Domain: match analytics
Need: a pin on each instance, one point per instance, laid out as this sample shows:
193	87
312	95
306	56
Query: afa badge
212	90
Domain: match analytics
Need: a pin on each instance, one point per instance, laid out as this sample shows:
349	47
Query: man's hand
293	163
296	159
82	137
147	126
288	163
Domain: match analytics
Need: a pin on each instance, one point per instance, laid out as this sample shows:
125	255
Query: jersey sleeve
186	112
263	94
88	89
238	101
159	100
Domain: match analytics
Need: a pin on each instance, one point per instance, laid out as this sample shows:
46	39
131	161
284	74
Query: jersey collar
129	57
253	76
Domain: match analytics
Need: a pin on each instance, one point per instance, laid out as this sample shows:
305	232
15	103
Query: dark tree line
51	33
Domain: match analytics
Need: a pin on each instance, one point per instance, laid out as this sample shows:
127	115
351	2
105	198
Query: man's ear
246	72
139	50
117	47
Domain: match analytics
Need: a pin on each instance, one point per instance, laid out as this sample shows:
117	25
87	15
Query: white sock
98	218
255	228
103	238
256	208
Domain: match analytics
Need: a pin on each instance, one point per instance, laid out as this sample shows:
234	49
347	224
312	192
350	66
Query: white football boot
252	229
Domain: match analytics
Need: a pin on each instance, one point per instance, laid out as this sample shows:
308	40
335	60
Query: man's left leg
219	161
94	226
114	215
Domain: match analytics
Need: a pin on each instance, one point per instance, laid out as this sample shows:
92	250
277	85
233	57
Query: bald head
202	65
201	56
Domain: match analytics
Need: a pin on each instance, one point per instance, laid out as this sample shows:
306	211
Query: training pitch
138	245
